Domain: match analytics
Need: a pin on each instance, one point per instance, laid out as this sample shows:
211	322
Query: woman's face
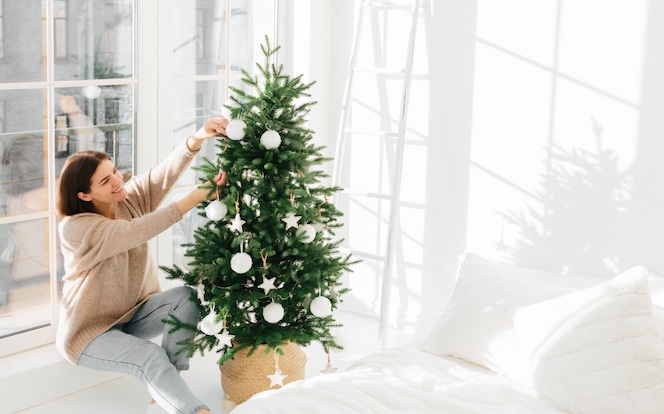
107	185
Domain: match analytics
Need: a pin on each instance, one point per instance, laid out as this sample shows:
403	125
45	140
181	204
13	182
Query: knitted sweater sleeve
92	238
148	190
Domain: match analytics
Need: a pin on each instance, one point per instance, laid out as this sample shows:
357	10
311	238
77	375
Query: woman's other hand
202	193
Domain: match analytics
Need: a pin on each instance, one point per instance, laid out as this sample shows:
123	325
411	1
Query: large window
72	78
211	42
62	62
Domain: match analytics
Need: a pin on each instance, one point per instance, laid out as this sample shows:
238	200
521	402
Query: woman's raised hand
213	126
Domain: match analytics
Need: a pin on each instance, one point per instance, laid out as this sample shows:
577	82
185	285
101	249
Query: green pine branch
264	187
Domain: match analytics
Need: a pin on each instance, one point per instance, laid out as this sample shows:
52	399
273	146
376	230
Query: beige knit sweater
108	269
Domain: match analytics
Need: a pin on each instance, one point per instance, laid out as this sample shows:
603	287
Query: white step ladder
356	112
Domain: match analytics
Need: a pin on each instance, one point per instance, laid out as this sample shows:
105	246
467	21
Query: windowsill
40	375
31	359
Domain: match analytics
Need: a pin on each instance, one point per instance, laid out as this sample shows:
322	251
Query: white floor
126	395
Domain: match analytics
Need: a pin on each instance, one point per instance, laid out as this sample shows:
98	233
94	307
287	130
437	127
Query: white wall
543	133
571	79
510	85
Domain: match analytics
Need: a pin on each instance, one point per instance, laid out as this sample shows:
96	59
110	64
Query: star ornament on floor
225	338
291	220
277	378
267	285
329	369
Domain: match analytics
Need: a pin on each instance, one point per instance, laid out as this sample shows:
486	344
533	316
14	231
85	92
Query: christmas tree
265	264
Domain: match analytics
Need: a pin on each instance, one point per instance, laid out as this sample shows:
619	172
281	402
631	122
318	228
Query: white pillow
597	350
477	323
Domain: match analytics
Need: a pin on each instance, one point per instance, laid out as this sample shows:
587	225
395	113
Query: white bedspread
400	382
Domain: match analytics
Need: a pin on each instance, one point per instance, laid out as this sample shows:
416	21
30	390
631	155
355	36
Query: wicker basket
242	376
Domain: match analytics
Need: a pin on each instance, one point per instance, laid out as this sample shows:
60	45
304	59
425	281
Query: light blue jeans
127	348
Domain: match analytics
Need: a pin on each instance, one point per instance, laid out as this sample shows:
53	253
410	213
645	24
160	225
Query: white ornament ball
92	91
235	129
241	263
273	312
306	233
270	139
225	111
321	307
216	210
210	326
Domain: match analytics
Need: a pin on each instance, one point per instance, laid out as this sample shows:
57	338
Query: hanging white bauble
273	312
216	210
235	129
321	307
209	324
225	111
270	139
241	263
306	233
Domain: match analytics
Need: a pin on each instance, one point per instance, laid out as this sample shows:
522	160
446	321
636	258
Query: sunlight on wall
556	99
534	135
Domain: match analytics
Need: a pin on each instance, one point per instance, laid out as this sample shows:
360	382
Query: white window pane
250	22
25	278
96	118
23	47
198	37
24	275
99	40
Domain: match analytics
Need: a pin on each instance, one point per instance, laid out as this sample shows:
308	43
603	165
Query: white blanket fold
400	382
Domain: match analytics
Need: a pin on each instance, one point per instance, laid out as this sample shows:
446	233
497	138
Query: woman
112	302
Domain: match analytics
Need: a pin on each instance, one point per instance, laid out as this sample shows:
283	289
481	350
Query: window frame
56	37
152	139
44	334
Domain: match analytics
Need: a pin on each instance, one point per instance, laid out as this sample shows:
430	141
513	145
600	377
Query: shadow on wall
577	228
593	216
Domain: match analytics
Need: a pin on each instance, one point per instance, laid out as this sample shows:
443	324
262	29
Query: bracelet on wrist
186	143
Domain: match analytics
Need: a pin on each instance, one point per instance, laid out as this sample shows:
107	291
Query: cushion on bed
597	350
477	324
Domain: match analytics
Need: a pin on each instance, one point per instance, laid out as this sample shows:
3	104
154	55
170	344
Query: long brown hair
76	176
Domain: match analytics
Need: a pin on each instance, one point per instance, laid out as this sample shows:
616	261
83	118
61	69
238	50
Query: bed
510	340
